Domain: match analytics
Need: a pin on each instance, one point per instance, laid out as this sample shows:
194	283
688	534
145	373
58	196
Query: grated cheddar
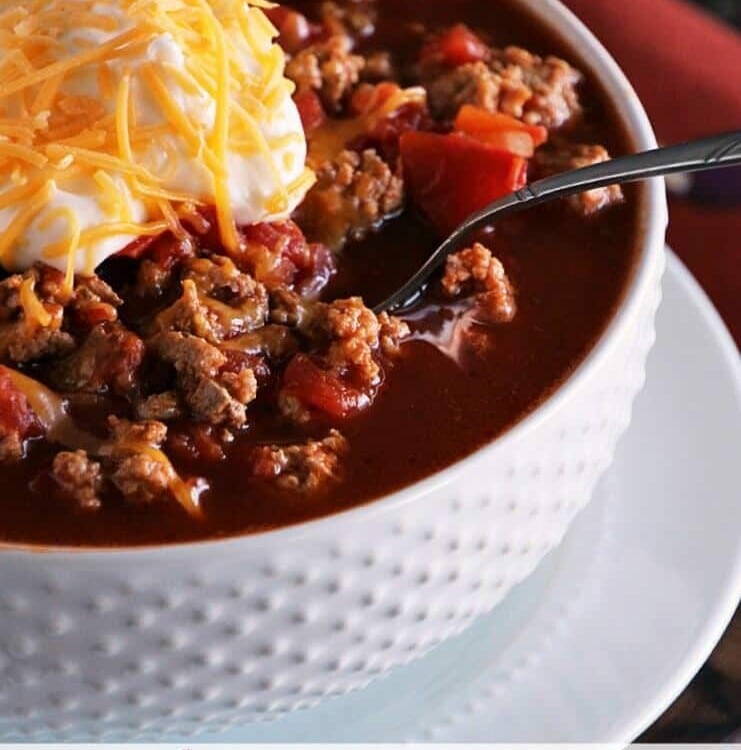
101	142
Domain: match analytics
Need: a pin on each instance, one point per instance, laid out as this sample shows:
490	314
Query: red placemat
686	67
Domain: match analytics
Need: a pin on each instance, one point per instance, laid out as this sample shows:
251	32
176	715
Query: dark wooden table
709	710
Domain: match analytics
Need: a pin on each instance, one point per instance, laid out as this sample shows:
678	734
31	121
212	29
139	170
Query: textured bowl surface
137	643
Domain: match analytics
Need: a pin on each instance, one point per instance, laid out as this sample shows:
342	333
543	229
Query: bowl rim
653	219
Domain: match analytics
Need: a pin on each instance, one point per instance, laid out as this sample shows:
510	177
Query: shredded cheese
33	310
50	133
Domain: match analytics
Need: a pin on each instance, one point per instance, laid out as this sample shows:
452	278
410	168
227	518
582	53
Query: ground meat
471	83
213	394
353	194
540	91
514	82
329	68
357	336
353	330
94	302
132	461
290	309
78	478
137	467
148	432
218	301
304	467
219	278
344	377
476	267
108	360
31	316
223	402
161	406
28	343
348	319
391	331
563	157
192	357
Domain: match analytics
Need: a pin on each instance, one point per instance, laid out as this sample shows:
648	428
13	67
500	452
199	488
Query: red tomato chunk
456	46
451	176
322	390
500	131
16	416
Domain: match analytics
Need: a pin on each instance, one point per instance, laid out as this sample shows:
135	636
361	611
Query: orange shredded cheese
33	310
49	132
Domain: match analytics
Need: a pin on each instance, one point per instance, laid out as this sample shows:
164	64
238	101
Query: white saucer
596	644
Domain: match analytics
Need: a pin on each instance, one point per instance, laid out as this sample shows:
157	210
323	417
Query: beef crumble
565	156
354	193
31	316
213	394
327	68
218	301
350	347
301	468
476	267
78	478
513	81
107	360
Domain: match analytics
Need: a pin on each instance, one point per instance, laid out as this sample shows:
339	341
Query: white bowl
184	639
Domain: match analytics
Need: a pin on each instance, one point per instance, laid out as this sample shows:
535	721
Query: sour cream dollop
116	116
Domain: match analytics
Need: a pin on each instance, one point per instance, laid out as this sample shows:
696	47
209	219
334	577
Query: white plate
596	644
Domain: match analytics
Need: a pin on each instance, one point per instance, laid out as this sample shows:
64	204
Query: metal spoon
707	153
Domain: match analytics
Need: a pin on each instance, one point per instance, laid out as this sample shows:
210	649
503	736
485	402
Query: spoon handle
716	151
707	153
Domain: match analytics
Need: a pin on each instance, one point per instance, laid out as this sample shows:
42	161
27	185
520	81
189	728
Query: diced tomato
16	414
163	249
237	361
500	131
322	390
295	30
137	248
194	442
451	176
456	46
278	254
310	109
94	314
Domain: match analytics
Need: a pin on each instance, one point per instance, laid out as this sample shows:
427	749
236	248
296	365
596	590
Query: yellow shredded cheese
33	310
50	133
122	118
